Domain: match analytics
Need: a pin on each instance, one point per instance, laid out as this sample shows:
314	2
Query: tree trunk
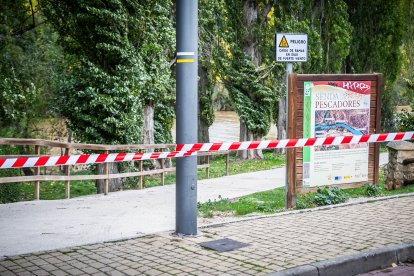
258	154
114	184
148	128
148	132
203	137
246	135
251	50
203	133
251	42
203	126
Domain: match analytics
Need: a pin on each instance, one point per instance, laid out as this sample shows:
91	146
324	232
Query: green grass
264	202
218	168
273	201
50	190
383	147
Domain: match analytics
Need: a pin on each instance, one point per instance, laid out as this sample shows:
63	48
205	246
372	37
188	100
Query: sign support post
290	48
187	118
289	70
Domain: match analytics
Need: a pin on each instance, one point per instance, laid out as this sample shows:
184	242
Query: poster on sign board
335	108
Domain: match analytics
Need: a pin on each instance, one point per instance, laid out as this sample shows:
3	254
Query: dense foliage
375	46
106	67
211	49
154	41
329	196
118	59
101	96
251	97
30	68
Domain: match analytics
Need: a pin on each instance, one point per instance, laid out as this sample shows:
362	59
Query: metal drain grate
223	245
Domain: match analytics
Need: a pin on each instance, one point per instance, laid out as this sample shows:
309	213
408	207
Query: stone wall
400	168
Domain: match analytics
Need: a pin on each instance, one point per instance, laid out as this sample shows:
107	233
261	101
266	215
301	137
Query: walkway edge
354	264
321	208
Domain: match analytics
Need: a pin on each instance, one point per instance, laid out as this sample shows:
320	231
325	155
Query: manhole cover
223	245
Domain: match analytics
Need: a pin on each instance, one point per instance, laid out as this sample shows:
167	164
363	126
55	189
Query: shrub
304	202
9	192
329	196
405	121
372	190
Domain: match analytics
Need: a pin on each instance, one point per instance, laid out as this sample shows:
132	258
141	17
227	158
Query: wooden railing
69	148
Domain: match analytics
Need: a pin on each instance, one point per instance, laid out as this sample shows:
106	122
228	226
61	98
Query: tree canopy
105	66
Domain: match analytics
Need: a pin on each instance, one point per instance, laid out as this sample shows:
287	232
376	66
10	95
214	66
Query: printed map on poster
335	108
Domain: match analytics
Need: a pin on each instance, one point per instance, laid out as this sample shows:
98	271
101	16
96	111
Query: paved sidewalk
51	224
276	242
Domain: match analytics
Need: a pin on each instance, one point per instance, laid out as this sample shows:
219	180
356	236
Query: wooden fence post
208	167
140	165
227	163
163	173
106	181
37	172
67	173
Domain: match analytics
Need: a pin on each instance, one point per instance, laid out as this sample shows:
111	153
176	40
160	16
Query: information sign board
335	108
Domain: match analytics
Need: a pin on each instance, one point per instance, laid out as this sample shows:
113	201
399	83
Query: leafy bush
373	190
304	201
329	196
265	208
9	192
405	121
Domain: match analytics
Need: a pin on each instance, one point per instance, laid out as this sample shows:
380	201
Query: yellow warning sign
283	43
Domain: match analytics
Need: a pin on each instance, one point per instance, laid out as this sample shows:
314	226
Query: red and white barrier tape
183	150
84	159
298	143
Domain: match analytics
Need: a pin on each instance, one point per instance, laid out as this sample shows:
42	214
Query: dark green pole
187	115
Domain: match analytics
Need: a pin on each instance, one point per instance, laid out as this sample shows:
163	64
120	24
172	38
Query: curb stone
354	264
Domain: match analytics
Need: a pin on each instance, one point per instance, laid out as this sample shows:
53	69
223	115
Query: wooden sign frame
295	129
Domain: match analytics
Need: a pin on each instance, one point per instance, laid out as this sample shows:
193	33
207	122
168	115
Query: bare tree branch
33	13
267	9
22	29
26	28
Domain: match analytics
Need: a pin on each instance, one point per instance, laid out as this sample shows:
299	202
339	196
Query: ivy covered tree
375	46
154	40
404	85
101	98
329	33
294	17
212	15
407	72
251	98
330	19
